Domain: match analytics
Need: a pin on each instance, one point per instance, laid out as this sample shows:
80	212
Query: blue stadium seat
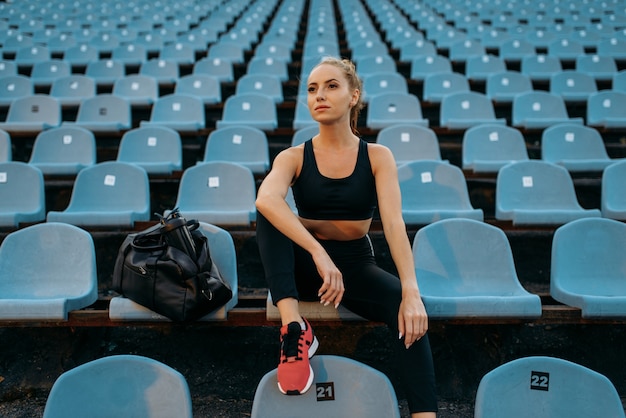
268	65
575	147
540	109
45	73
81	55
587	268
120	385
619	81
28	56
573	86
422	66
566	49
103	113
487	147
73	89
105	72
463	110
205	87
15	87
165	72
465	269
434	190
412	50
241	144
373	64
263	84
347	387
410	142
181	112
540	386
537	192
178	52
502	87
461	50
137	89
540	67
16	206
216	67
250	109
301	135
46	271
232	52
479	67
385	82
302	116
6	151
515	50
612	47
105	42
392	108
64	150
7	67
157	149
439	85
33	113
607	109
613	196
107	194
130	54
224	256
601	68
218	192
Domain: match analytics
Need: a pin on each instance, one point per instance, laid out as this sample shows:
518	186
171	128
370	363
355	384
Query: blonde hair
355	83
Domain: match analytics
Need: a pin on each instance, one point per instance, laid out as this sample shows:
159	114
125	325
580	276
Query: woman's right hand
332	289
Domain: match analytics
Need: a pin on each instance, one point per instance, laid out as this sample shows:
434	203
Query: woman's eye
311	89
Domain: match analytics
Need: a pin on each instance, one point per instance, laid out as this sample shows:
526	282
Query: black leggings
370	292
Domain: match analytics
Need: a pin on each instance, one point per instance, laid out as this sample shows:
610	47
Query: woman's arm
412	317
271	203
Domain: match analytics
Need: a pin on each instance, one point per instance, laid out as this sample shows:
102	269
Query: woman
324	252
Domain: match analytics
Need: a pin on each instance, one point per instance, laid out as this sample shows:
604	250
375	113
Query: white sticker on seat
427	177
527	181
214	182
109	180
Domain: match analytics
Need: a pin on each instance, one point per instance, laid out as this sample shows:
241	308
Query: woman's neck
336	135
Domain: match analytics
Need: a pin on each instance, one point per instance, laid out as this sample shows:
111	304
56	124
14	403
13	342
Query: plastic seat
268	65
607	109
613	197
178	52
487	148
379	83
218	192
7	67
302	115
105	72
410	143
44	73
205	87
429	64
545	387
601	68
15	87
619	81
130	54
120	385
239	144
300	136
103	113
540	109
463	110
224	256
63	150
6	152
105	42
81	55
228	51
180	112
319	49
165	72
16	206
566	50
515	50
434	190
540	67
73	89
363	48
504	86
216	67
373	64
462	50
347	387
612	47
479	67
537	192
587	268
392	108
138	90
33	113
108	194
263	84
465	269
157	149
249	109
28	56
410	51
151	41
573	86
46	271
575	147
437	86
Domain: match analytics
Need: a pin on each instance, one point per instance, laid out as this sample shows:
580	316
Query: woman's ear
355	97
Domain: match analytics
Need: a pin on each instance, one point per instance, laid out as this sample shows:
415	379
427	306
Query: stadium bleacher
135	57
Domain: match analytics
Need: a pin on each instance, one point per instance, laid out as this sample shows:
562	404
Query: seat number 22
539	381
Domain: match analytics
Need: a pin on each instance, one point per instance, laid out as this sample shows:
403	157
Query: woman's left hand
412	318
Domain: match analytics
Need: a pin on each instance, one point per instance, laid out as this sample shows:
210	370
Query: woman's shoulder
379	152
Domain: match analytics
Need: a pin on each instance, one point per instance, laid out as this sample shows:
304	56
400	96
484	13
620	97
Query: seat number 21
325	391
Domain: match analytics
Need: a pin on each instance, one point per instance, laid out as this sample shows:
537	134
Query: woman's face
330	96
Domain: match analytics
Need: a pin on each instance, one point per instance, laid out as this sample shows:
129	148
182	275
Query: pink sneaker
297	345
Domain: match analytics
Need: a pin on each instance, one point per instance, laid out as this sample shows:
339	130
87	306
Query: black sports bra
348	198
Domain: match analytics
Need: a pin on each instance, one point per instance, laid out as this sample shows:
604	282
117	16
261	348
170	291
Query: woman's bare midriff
337	230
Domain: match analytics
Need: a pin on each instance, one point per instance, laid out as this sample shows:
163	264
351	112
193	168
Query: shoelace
291	346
